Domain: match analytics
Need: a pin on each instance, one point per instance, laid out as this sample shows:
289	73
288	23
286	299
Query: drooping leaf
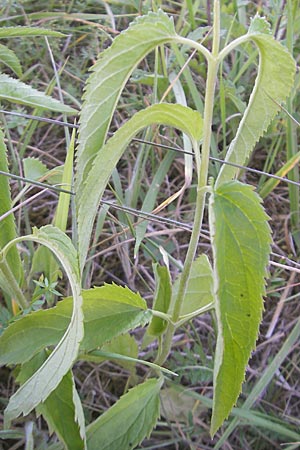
10	59
63	413
128	421
199	291
108	79
273	83
241	245
16	91
49	375
7	225
61	410
162	298
87	200
11	32
108	312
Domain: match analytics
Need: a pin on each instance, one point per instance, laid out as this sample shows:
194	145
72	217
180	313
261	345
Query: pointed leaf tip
241	245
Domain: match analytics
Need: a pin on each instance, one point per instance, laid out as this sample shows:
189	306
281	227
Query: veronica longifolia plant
232	284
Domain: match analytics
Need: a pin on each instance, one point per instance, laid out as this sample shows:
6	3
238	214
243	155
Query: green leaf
128	421
10	59
108	79
64	415
273	83
124	344
108	312
89	196
241	245
61	409
10	32
17	92
34	169
47	378
259	25
162	298
199	291
7	225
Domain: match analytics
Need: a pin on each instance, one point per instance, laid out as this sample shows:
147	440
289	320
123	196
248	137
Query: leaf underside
108	78
16	91
241	245
177	116
37	388
272	86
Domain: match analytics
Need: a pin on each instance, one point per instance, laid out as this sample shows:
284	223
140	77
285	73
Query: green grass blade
271	183
292	143
7	225
150	198
61	213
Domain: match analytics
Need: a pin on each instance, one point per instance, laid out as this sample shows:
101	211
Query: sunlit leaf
241	245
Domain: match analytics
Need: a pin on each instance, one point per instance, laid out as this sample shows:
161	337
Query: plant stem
202	187
14	288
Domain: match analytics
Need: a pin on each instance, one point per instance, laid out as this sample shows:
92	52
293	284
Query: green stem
202	187
14	288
